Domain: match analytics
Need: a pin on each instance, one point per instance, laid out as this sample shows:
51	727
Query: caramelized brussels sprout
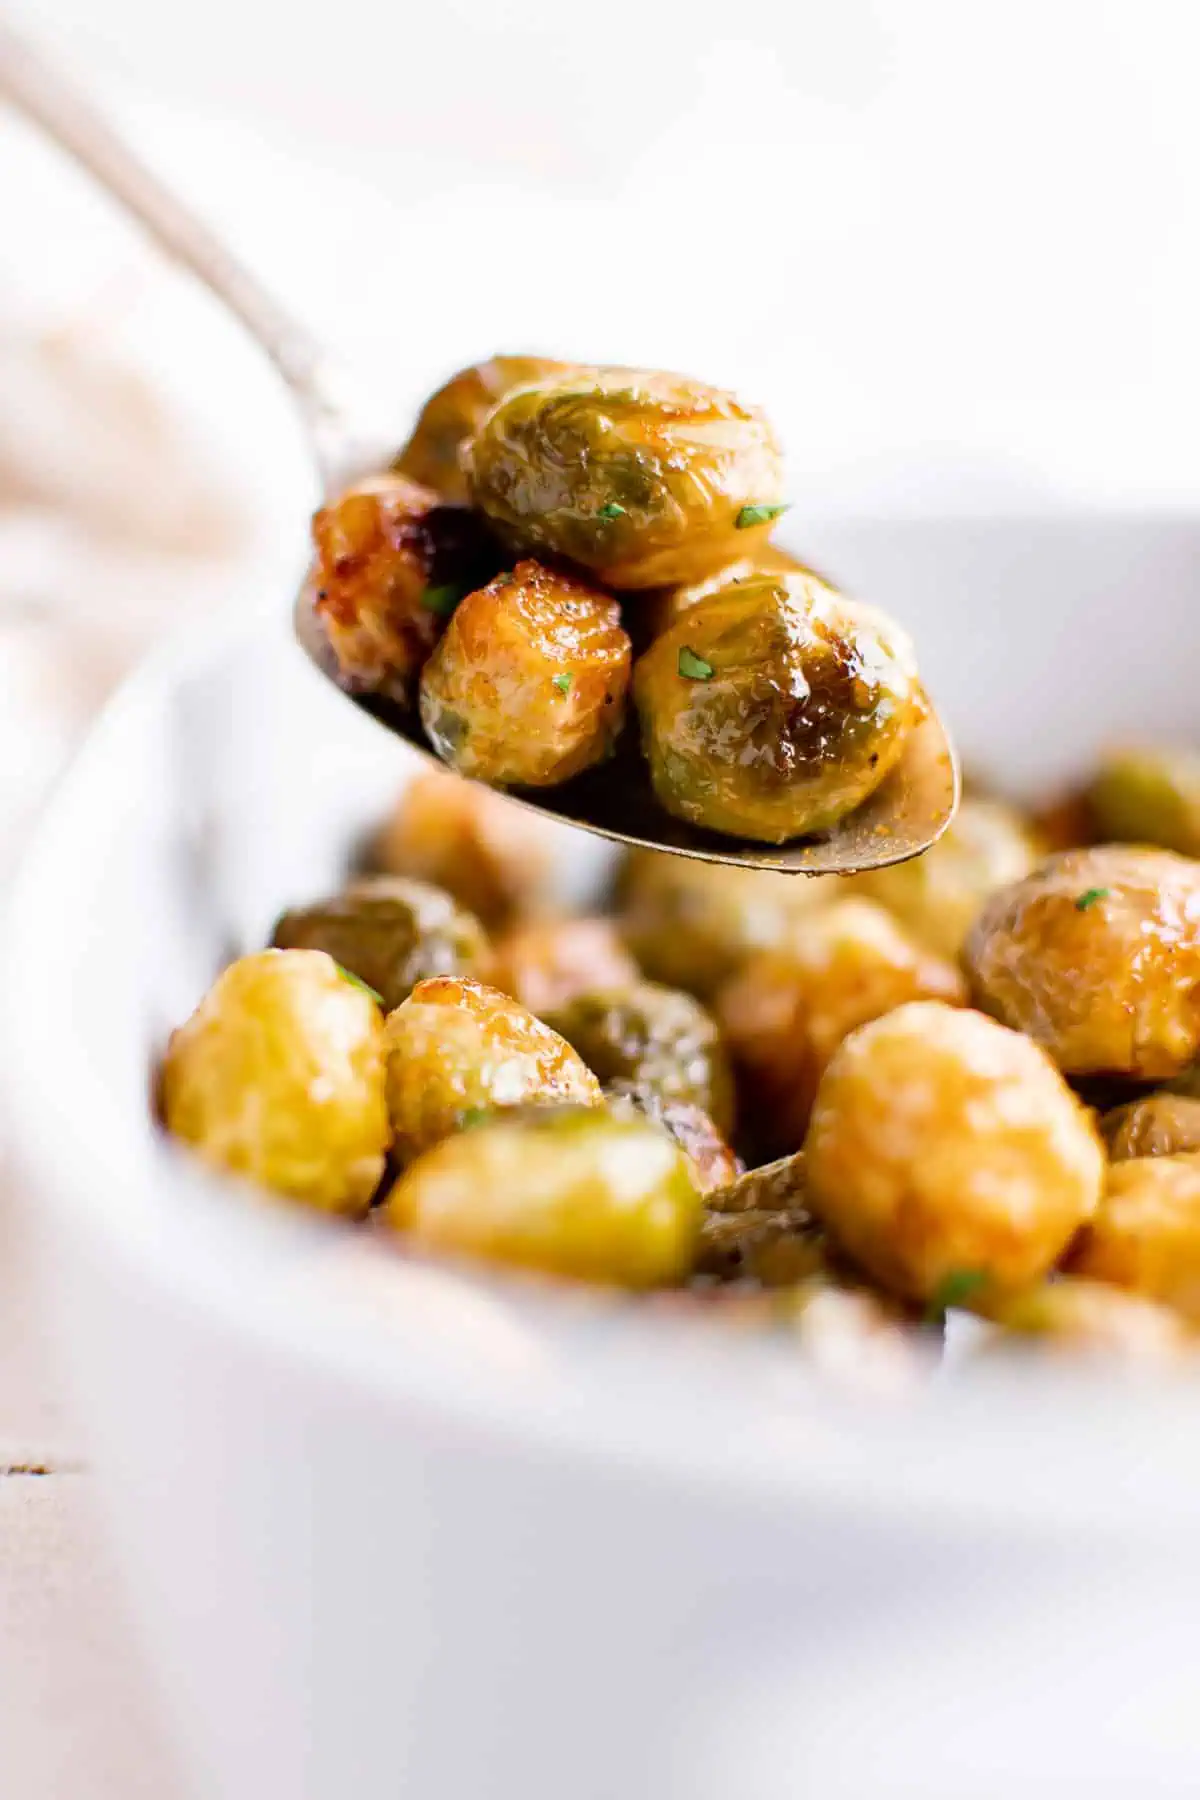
713	1163
456	1049
1145	1235
452	415
937	897
774	709
495	857
527	687
391	563
573	1193
1097	956
544	964
653	1036
278	1076
691	924
390	932
785	1013
1149	796
645	478
1072	1314
947	1152
1160	1124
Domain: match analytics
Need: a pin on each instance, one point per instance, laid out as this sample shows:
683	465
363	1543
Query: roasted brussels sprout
457	1050
278	1076
1096	955
713	1163
456	411
691	924
947	1153
937	897
645	478
653	1036
527	687
494	856
575	1193
1072	1314
1149	796
544	964
1160	1124
391	563
658	611
1145	1235
390	932
774	709
785	1013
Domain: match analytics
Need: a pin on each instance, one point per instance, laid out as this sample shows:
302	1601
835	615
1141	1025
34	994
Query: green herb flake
611	510
471	1116
563	683
1085	900
358	982
442	600
759	515
956	1288
693	667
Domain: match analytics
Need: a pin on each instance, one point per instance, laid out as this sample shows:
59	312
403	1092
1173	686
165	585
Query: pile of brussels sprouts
543	521
834	1108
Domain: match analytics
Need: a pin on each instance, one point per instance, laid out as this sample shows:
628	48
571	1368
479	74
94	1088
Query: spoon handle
51	102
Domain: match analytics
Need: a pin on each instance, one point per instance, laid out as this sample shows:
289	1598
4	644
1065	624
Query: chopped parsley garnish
953	1290
693	667
563	683
759	515
442	600
611	510
1083	901
358	982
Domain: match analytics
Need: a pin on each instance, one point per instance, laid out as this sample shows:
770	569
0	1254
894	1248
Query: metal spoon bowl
903	817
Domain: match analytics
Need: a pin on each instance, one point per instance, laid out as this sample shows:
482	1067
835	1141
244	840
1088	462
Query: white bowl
397	1529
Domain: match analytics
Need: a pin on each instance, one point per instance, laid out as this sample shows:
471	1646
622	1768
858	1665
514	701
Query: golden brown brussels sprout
456	1049
774	709
455	413
785	1013
495	857
278	1076
645	478
546	963
713	1163
1145	1235
937	897
691	924
1074	1315
392	561
656	1037
390	932
527	687
1096	955
947	1152
573	1193
1161	1124
1149	796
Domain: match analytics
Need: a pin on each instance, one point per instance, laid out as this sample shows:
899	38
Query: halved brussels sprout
653	1036
527	687
1149	796
391	564
455	412
646	478
774	709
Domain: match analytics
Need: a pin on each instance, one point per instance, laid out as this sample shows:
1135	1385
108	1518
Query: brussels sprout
527	687
1160	1124
947	1155
653	1036
758	1228
545	963
1097	956
391	563
457	1050
658	611
1145	1235
774	709
714	1165
1149	796
389	932
278	1076
456	411
579	1194
495	857
645	478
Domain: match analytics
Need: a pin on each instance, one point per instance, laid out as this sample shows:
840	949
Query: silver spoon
906	814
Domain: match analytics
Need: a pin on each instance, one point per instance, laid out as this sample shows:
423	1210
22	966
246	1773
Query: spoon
904	816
